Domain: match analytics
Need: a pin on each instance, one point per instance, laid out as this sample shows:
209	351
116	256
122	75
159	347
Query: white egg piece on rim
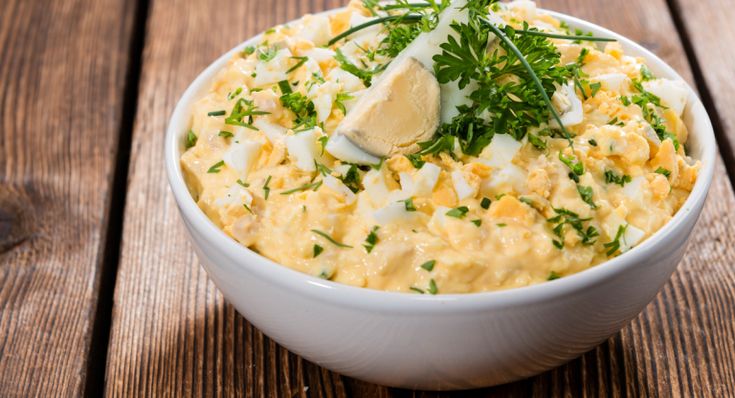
274	132
241	156
374	183
439	217
631	237
340	188
408	188
393	212
673	93
612	81
273	71
426	178
568	105
635	188
510	177
236	195
349	82
343	149
315	28
501	151
319	54
303	148
322	96
461	187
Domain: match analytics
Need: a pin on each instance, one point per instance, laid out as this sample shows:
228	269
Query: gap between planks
97	361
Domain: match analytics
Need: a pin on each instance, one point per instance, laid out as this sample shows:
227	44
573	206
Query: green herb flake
553	275
565	218
225	134
666	173
366	75
646	74
242	183
612	177
458	212
266	188
234	94
247	51
191	139
267	54
340	99
586	193
594	88
501	225
217	113
429	265
302	60
477	222
537	142
417	290
317	250
409	204
323	142
329	238
592	142
242	114
415	160
313	186
572	163
432	287
613	246
216	167
485	203
371	240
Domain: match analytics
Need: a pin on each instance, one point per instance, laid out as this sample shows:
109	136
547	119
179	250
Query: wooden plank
62	80
173	334
708	33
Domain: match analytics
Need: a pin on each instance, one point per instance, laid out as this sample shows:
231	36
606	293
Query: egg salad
438	147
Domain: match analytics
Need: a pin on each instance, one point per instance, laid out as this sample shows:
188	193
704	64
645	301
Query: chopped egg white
303	148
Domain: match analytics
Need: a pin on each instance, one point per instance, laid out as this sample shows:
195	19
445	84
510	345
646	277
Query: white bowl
446	341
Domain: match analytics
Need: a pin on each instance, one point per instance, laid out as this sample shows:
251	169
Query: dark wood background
100	293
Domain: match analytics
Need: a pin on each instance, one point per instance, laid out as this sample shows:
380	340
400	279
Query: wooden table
100	293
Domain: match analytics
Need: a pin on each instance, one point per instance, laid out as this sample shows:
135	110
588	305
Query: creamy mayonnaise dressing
458	223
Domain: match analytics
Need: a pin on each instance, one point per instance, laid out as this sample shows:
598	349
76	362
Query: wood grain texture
62	78
173	334
708	33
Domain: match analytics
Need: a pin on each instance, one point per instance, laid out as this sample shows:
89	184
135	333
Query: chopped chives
330	239
216	167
